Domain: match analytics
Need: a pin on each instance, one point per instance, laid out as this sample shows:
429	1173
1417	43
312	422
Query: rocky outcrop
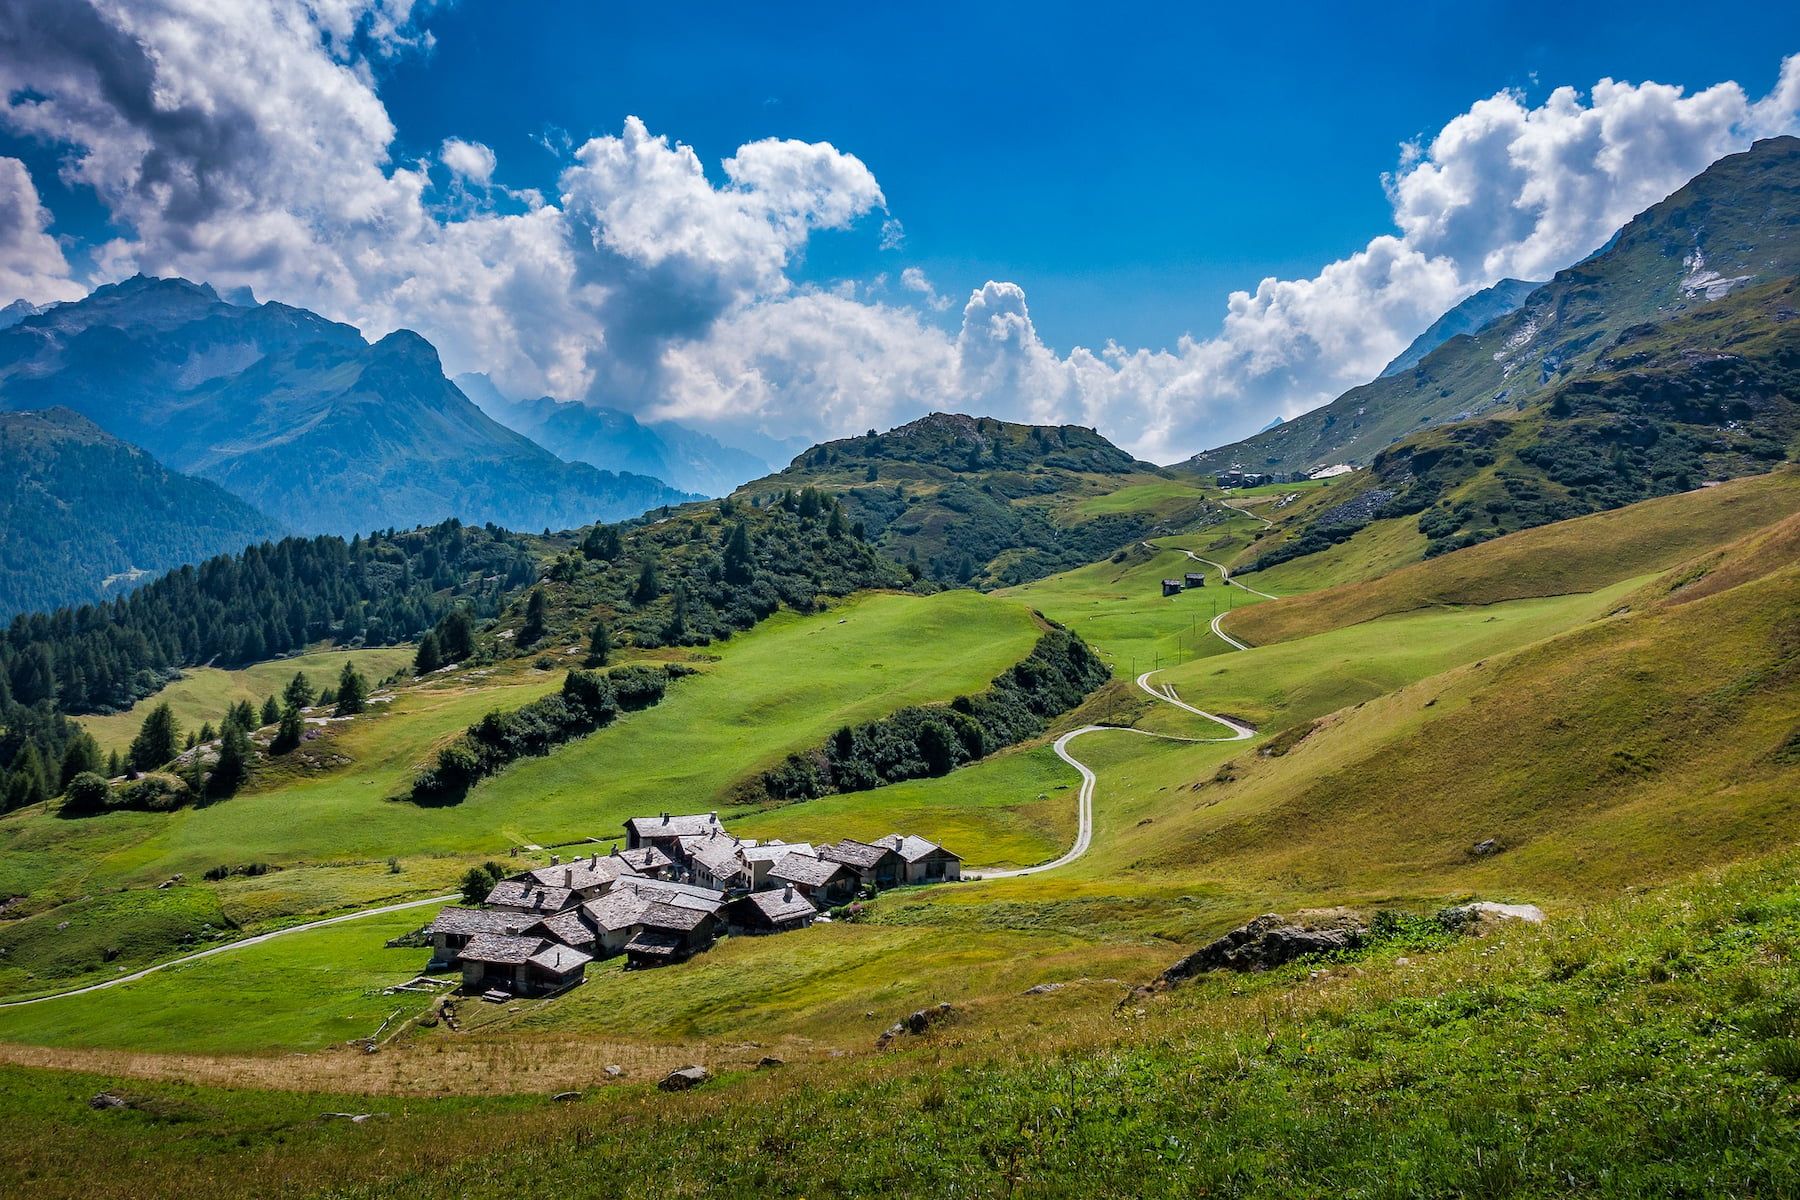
1269	941
917	1023
1487	912
683	1078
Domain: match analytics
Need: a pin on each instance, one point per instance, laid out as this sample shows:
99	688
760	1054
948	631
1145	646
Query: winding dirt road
1084	800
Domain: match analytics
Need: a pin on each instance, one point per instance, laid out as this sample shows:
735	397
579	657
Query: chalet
777	911
669	933
521	966
614	918
647	861
666	831
454	926
570	928
522	895
760	858
875	866
717	861
585	877
1171	587
824	883
1194	579
924	862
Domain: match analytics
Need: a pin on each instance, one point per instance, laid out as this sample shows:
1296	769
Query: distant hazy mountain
17	311
1476	313
1733	227
615	440
83	515
298	415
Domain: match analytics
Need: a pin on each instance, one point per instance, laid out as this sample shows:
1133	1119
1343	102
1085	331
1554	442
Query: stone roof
911	848
676	917
500	949
466	922
580	874
774	852
517	893
559	960
720	856
657	943
676	893
618	909
781	904
567	927
860	855
645	859
670	826
803	868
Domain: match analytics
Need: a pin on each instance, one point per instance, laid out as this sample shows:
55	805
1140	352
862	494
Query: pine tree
155	741
242	715
115	766
233	766
29	784
299	691
456	636
677	628
271	713
290	732
649	584
81	754
533	629
352	691
740	562
837	527
599	645
207	734
429	658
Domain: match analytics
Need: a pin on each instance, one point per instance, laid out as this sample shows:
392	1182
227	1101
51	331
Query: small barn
520	966
875	866
924	862
1194	579
670	933
454	926
824	883
776	911
1171	587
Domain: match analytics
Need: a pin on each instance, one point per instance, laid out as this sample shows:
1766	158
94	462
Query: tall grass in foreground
1648	1047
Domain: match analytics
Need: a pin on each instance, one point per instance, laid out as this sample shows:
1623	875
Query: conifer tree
533	629
207	734
271	713
29	783
599	645
299	691
649	584
837	527
155	741
115	766
352	691
740	563
428	658
234	761
82	754
289	732
456	636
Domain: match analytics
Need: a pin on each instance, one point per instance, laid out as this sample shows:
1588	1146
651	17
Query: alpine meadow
556	651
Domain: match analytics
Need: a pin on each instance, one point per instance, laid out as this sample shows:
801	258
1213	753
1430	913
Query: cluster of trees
693	579
451	641
588	701
271	599
917	742
158	786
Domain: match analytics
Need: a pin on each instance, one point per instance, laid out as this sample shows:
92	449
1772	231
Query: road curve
1084	799
228	946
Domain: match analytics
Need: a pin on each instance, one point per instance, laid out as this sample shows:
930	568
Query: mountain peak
407	345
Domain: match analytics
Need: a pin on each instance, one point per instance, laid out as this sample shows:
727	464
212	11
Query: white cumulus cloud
246	143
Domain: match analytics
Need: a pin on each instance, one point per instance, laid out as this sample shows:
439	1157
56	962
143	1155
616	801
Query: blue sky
1128	169
1125	169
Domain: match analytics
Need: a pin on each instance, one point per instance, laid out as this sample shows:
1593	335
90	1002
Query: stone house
520	966
668	933
875	866
760	858
922	861
776	911
823	882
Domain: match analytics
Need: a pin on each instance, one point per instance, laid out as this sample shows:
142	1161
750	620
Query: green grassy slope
1570	556
202	694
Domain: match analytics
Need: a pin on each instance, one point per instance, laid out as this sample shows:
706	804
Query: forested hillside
84	516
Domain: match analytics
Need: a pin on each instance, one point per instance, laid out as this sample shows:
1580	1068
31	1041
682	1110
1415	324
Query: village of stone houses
680	883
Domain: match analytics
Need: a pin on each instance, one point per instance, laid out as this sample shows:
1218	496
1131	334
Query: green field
202	694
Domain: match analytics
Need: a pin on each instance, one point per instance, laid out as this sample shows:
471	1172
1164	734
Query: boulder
1043	989
107	1100
1269	941
1488	912
683	1078
767	1061
916	1023
612	1071
1485	847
